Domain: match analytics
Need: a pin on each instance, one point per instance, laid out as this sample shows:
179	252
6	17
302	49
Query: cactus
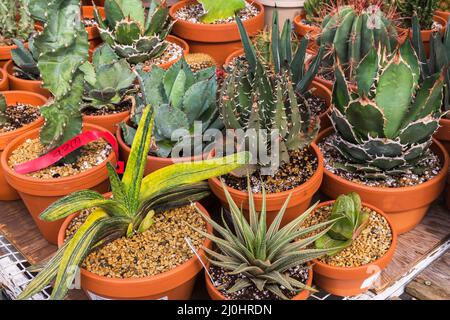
443	5
439	56
25	60
130	34
181	98
349	32
219	10
63	47
350	220
199	61
109	80
15	21
423	9
386	127
314	9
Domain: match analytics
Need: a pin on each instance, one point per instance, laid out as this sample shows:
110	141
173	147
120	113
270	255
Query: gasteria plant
15	21
350	220
423	9
132	35
218	10
182	97
386	127
253	96
263	255
131	209
25	60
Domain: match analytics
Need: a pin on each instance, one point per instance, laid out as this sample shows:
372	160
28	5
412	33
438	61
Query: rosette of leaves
349	221
109	81
15	21
132	35
423	9
261	254
181	97
129	211
386	126
220	10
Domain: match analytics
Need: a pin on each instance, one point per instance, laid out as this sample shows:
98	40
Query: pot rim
443	172
9	65
9	171
284	194
4	75
362	268
107	116
131	281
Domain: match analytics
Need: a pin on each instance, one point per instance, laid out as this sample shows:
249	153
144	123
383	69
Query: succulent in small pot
209	26
109	90
267	96
182	98
383	134
443	9
129	212
257	262
363	241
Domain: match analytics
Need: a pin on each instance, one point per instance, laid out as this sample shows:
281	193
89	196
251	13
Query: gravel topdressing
172	52
18	116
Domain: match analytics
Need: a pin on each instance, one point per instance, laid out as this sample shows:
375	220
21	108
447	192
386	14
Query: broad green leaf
217	10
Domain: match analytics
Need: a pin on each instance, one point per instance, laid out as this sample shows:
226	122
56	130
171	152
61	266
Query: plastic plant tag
73	144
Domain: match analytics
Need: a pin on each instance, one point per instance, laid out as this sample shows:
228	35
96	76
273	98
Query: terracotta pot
16	83
443	14
287	9
4	82
5	54
234	54
109	122
176	284
352	281
38	194
183	44
443	133
217	40
153	163
216	295
93	33
303	30
405	206
300	200
12	97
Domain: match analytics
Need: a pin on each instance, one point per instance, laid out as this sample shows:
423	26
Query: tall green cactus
63	47
15	21
386	127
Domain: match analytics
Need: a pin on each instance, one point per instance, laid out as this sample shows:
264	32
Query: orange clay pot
5	54
443	133
153	163
405	206
304	30
176	284
109	122
352	281
217	295
300	199
443	14
16	83
93	33
8	193
234	54
216	40
38	194
183	44
4	82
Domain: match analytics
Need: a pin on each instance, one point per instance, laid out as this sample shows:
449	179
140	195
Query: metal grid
14	275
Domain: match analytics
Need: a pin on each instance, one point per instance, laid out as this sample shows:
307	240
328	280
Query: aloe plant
261	254
219	10
130	210
15	21
132	35
25	60
349	221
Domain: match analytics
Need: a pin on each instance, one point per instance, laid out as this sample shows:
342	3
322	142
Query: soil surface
317	105
172	52
19	115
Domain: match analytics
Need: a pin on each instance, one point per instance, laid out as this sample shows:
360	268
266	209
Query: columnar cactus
386	126
132	35
15	21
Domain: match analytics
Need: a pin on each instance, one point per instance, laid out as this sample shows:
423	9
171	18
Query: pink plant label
73	144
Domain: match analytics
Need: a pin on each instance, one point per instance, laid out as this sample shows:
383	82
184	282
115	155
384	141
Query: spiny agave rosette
263	255
132	35
386	127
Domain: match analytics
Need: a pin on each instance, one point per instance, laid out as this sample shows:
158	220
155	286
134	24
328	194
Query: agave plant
423	9
439	56
182	97
109	80
134	202
253	96
263	255
218	10
25	60
15	21
132	35
386	127
350	220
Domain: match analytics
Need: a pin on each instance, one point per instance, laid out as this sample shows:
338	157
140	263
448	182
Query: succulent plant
444	5
132	35
254	96
181	97
350	31
218	10
386	127
439	56
109	80
131	209
423	9
314	9
199	61
25	60
350	220
15	21
263	255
